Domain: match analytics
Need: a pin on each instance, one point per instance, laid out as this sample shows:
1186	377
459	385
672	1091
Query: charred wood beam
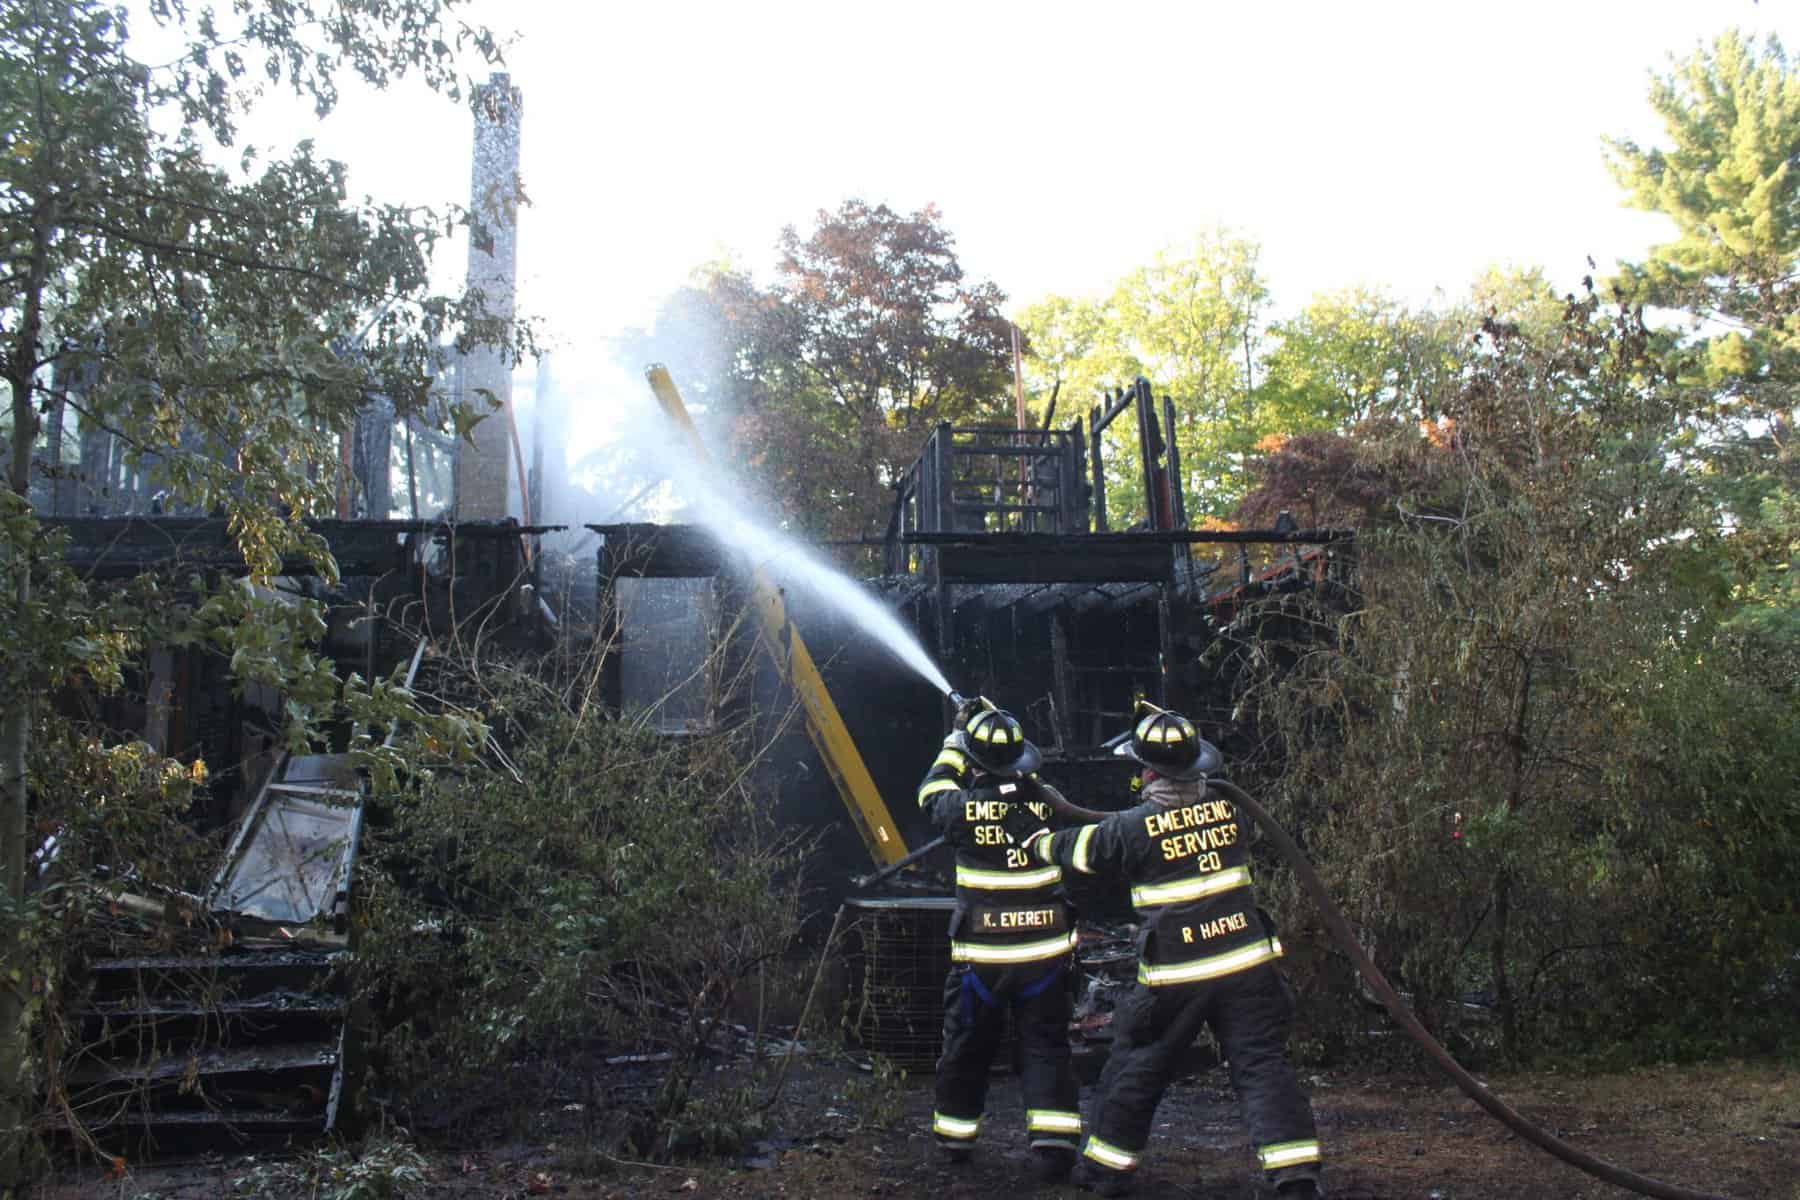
1117	403
1164	537
982	507
1048	559
1111	600
1062	709
662	551
1174	465
119	547
982	450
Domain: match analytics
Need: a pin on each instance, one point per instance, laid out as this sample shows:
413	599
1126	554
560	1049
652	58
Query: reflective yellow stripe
936	786
1052	1120
1287	1154
1006	881
950	758
1111	1156
1021	952
1210	968
1152	894
1079	857
954	1127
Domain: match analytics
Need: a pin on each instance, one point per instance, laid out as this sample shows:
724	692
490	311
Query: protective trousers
976	1000
1251	1013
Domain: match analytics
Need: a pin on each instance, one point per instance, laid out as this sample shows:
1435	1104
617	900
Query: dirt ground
1731	1130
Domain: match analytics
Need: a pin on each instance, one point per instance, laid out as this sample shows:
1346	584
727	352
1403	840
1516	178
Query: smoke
618	458
723	509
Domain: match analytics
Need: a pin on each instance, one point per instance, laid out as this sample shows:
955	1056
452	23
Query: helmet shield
996	742
1168	744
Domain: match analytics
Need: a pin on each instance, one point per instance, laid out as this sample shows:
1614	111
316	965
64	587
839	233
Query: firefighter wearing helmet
1206	956
1010	943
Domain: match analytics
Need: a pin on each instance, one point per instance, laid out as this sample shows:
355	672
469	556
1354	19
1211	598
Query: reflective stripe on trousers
1288	1154
959	1128
1109	1155
1050	1120
978	1002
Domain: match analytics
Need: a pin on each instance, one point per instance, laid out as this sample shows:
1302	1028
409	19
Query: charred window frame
663	614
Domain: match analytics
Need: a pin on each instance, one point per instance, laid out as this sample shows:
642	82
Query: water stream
731	518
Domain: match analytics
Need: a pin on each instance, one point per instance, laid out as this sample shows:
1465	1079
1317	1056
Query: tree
1728	182
1518	299
870	336
1191	322
745	396
1514	754
1350	357
827	382
232	321
1076	354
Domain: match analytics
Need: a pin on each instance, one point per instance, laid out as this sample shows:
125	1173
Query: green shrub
382	1169
590	889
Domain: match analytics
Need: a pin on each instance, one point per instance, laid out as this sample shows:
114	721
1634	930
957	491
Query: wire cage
899	956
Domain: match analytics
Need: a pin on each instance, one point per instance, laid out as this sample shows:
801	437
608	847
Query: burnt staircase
186	1052
240	1038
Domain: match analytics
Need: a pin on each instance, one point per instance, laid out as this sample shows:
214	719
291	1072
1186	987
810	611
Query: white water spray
727	516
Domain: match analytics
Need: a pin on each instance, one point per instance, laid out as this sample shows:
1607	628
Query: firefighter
1011	939
1206	956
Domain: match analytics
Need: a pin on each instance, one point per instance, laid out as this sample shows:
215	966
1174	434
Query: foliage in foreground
383	1168
223	325
592	888
1545	760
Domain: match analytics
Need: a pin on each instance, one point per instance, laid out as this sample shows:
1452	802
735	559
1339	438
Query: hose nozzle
967	706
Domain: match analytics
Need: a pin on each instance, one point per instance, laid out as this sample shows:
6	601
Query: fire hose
1340	929
1471	1087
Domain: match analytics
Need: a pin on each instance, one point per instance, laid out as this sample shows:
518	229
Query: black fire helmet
996	742
1168	744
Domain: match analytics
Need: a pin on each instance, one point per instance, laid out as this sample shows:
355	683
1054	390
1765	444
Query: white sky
1403	146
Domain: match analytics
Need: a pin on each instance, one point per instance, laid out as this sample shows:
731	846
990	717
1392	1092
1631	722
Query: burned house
1000	558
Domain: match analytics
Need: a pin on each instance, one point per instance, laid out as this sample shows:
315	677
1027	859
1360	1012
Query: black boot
1299	1189
1051	1164
1106	1181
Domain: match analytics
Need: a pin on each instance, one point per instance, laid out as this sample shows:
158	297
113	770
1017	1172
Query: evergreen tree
1727	180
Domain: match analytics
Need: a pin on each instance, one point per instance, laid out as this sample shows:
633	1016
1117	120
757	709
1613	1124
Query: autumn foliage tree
1513	754
1547	753
834	374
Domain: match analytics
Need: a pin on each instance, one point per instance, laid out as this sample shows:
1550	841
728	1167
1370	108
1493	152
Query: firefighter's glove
967	709
1021	824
